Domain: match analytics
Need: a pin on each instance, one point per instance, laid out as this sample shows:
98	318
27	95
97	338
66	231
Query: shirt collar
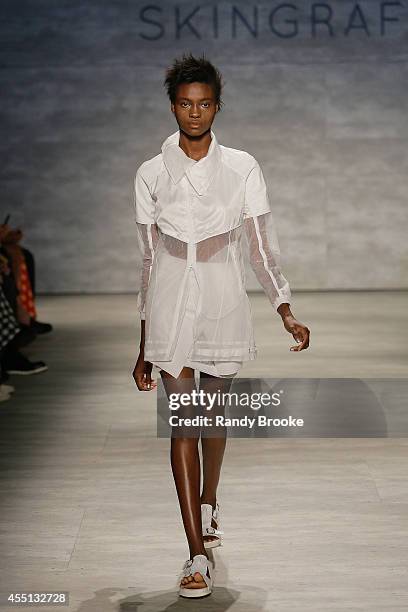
199	173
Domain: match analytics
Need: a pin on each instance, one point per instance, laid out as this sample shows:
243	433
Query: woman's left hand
300	332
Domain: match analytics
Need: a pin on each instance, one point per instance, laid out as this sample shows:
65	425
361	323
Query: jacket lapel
199	173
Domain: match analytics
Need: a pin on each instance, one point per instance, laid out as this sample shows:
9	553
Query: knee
181	439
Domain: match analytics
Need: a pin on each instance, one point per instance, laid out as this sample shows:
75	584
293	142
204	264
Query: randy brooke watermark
290	407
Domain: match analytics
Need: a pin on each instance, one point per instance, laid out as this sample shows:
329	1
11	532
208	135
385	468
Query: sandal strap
199	563
208	514
212	531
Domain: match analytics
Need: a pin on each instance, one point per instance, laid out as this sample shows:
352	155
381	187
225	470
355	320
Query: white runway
88	503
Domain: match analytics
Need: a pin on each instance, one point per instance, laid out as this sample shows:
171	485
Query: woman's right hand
142	374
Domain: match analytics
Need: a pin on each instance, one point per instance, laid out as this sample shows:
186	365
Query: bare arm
148	236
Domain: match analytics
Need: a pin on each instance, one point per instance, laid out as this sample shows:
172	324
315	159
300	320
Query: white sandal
207	516
199	563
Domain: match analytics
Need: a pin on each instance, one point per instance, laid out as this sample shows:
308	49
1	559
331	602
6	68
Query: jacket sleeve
147	235
262	239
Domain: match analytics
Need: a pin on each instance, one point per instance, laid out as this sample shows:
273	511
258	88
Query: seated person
13	334
23	267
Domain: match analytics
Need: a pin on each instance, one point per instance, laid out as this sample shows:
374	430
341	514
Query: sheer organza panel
264	258
218	272
209	249
214	247
216	264
148	236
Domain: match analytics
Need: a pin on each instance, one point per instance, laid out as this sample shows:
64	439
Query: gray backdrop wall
317	92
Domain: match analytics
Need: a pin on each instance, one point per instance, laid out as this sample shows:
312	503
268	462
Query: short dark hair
190	69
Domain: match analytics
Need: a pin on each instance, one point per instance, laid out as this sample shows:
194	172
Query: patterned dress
9	327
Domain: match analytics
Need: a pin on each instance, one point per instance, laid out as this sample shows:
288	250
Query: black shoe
25	336
40	328
4	377
22	365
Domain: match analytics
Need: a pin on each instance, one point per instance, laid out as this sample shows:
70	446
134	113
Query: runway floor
88	504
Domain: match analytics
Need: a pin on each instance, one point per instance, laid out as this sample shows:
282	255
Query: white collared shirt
191	215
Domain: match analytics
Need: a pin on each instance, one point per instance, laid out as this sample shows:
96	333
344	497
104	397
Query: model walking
193	201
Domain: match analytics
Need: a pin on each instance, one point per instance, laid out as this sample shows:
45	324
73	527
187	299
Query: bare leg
213	441
185	463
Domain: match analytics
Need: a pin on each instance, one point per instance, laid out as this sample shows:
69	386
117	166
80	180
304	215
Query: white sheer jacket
192	215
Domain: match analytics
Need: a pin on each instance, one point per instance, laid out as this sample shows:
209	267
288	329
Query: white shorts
185	343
